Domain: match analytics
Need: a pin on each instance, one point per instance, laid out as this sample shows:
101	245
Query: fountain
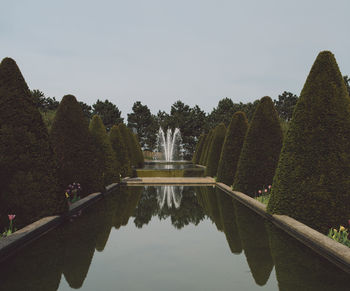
170	144
172	195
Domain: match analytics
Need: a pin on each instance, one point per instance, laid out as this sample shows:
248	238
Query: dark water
169	238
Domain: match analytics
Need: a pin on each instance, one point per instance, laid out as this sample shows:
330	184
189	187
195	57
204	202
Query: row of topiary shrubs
36	166
309	170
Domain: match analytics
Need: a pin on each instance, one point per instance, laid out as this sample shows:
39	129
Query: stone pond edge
331	250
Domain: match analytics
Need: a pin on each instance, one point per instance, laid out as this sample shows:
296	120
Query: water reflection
172	195
69	251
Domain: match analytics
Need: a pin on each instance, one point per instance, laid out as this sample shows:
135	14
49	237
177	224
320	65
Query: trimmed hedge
107	164
120	151
73	145
204	154
232	147
260	151
199	149
29	186
312	181
215	150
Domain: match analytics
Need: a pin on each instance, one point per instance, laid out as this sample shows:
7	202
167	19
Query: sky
161	51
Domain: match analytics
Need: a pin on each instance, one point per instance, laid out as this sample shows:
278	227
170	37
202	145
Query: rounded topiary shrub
120	151
231	148
261	148
29	186
215	150
74	148
107	164
199	149
312	181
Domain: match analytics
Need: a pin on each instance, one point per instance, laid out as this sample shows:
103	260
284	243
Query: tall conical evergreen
312	181
120	150
29	186
74	148
199	149
107	164
125	133
138	153
261	148
204	155
215	150
231	148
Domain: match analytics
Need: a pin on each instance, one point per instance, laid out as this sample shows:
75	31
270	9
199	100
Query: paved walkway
169	180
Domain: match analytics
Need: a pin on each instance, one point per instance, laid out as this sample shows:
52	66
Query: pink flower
269	187
259	191
265	190
11	216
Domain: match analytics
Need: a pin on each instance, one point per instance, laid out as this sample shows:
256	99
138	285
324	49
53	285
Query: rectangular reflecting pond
169	238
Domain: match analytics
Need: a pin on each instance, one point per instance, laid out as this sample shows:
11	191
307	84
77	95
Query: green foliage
138	152
199	149
312	181
260	151
87	110
347	83
204	154
231	148
145	125
120	150
109	113
285	105
42	102
29	186
74	148
48	118
107	164
341	235
215	150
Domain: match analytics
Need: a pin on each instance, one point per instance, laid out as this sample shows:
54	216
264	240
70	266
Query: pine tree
232	147
260	151
73	145
107	165
29	186
120	150
215	150
312	181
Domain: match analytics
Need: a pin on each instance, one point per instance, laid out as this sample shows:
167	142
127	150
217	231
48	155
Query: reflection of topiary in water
215	150
29	185
299	268
107	165
72	143
199	149
228	221
231	148
255	242
260	151
120	150
312	181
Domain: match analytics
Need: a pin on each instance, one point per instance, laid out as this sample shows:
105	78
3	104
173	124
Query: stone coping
333	251
169	181
14	242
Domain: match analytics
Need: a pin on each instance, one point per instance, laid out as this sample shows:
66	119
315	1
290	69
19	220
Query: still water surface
169	238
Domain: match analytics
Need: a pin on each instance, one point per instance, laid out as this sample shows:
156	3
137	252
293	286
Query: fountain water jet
168	143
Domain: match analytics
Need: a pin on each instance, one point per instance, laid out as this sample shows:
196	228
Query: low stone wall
11	244
333	251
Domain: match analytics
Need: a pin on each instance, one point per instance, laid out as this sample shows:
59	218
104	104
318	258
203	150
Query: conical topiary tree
231	148
74	148
312	181
29	186
260	151
107	164
215	150
204	154
139	155
125	133
199	149
120	150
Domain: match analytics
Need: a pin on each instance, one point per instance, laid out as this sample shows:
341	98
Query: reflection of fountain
171	194
169	144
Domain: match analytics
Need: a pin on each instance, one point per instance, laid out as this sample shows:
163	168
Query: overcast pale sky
159	51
